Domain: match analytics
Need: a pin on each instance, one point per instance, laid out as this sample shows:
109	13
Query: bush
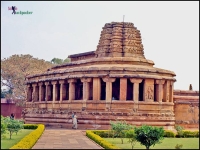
179	130
100	141
29	141
22	121
168	133
104	133
178	146
196	133
179	135
190	134
30	126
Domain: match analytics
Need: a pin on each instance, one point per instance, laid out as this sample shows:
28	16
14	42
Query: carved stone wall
186	108
120	39
148	91
187	114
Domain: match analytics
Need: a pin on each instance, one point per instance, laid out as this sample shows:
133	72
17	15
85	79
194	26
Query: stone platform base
93	121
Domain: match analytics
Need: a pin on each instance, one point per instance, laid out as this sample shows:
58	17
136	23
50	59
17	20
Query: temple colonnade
98	89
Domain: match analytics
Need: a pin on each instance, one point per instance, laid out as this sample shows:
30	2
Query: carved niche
149	93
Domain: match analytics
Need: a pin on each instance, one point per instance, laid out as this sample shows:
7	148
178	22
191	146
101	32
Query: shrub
190	134
22	121
30	126
196	133
29	141
168	133
178	146
104	133
100	141
179	130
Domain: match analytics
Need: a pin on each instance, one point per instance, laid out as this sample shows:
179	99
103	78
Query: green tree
67	60
13	125
130	134
14	72
58	61
148	135
3	127
120	128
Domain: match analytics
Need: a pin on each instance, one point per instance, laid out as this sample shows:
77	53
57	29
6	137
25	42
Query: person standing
12	116
72	120
75	126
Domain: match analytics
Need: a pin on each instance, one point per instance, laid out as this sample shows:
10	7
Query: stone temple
115	82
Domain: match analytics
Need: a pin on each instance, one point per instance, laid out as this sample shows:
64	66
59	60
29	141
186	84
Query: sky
169	31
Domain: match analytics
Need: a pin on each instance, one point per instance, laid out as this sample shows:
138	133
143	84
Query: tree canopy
58	61
14	71
148	135
4	92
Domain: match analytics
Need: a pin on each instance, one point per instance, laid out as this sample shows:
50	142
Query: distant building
8	107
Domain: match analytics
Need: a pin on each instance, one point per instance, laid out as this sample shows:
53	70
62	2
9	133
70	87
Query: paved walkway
65	139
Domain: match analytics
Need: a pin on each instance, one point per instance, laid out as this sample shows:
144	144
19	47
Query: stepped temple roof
120	51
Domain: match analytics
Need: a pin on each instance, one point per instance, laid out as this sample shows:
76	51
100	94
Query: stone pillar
109	88
86	90
135	88
29	93
41	92
171	92
159	90
123	89
71	89
34	94
62	90
166	91
86	87
148	91
55	91
48	91
37	93
96	89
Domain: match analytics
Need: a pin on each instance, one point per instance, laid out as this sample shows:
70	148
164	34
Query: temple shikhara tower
115	82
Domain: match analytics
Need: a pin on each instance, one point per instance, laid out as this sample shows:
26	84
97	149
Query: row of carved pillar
153	90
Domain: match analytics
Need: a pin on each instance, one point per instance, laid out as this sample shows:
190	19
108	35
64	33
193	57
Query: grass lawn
7	142
167	143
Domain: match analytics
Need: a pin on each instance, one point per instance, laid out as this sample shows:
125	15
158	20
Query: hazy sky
169	30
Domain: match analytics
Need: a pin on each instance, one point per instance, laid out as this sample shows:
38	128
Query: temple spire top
120	39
